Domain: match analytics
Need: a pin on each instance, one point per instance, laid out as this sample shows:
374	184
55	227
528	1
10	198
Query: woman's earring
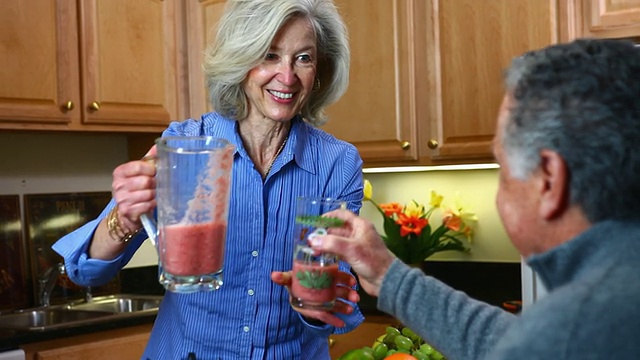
316	84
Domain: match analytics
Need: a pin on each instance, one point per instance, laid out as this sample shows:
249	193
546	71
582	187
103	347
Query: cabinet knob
68	105
95	106
432	144
405	145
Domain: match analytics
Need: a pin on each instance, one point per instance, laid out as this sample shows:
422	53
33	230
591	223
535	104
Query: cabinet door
127	348
612	18
202	18
470	43
122	344
39	62
379	112
129	61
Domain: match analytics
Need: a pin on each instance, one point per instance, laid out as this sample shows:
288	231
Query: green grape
405	351
380	351
351	355
391	352
367	350
392	330
436	355
420	355
389	340
427	349
411	335
403	342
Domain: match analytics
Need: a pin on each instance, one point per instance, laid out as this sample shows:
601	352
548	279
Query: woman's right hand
134	190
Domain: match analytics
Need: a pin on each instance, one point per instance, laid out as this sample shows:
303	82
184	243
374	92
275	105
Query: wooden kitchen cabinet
92	65
122	344
201	25
608	18
470	43
380	112
426	75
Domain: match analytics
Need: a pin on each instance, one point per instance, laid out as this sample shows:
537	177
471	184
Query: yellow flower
414	210
467	216
436	199
368	190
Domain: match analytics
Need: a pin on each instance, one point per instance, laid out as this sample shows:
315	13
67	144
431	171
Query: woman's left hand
346	283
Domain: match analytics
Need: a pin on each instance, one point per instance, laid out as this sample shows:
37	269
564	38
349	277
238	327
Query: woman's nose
286	73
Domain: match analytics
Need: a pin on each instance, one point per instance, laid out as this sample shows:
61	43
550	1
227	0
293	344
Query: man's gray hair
582	101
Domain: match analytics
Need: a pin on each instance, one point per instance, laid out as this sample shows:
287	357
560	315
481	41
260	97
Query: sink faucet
88	296
48	281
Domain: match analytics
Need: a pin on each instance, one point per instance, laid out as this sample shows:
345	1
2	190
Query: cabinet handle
95	106
68	106
432	144
405	145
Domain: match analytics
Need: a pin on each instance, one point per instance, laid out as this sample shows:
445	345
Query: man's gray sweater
591	310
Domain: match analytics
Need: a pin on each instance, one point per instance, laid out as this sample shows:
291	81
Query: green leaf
319	221
314	279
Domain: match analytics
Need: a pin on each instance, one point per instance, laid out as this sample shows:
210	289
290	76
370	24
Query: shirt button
245	329
250	292
254	253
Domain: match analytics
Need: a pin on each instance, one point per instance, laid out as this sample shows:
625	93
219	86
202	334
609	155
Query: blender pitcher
193	177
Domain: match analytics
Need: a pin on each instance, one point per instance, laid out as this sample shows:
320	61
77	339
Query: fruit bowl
395	344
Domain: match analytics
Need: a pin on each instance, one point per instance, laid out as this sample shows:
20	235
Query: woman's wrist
116	232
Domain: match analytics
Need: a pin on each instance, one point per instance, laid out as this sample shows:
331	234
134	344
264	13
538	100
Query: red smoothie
193	249
314	283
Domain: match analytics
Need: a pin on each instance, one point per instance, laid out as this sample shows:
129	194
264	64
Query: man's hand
358	243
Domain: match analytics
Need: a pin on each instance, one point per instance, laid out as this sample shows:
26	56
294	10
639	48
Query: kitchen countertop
12	339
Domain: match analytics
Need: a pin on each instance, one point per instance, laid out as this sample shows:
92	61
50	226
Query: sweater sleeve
451	321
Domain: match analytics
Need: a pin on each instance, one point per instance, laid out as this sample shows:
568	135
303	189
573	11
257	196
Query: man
568	145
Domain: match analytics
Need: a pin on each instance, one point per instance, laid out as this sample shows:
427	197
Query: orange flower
391	208
452	221
411	224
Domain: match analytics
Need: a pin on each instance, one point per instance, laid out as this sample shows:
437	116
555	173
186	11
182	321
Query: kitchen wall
59	162
475	189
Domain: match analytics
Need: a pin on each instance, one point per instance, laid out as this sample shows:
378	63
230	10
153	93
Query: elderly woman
274	67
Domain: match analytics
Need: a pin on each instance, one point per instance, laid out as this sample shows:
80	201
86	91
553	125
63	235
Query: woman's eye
305	58
271	56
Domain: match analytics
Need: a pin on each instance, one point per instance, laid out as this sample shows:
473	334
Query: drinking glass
314	275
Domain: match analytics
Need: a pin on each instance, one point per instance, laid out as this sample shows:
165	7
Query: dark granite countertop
12	339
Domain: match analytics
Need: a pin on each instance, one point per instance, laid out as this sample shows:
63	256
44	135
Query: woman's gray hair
582	101
245	33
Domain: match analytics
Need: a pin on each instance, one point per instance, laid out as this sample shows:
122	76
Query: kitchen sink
45	318
76	313
120	304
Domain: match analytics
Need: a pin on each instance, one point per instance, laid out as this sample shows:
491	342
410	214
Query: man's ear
554	192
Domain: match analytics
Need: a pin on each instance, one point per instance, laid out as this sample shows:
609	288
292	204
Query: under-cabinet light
400	169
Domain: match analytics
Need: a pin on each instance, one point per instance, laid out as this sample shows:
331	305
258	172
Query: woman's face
278	87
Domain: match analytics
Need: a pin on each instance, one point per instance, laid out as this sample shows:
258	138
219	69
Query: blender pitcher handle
148	222
151	227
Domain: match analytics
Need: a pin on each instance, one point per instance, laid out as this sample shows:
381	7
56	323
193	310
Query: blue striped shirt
249	317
